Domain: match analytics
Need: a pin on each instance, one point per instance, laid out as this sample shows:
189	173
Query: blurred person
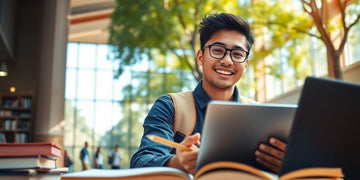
84	157
116	157
67	161
98	159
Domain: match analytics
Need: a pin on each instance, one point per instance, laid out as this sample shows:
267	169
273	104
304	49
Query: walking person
116	157
98	159
84	157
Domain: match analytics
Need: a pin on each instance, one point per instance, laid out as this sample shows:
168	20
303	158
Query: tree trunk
334	68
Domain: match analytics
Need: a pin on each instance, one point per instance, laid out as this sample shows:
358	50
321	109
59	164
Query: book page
235	167
134	174
231	174
315	173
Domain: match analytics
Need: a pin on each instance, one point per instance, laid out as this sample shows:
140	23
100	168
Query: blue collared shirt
159	121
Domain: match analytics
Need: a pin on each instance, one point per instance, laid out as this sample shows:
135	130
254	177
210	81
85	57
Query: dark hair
223	21
98	150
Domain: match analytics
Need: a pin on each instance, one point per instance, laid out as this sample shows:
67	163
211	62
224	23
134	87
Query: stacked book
24	161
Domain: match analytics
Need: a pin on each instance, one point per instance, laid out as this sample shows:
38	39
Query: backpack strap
185	112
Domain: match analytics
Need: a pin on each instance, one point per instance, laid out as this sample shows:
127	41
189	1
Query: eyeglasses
219	52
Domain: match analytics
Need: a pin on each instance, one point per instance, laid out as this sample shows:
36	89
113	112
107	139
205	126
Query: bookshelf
16	114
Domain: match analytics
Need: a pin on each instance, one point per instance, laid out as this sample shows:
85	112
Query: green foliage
167	26
277	25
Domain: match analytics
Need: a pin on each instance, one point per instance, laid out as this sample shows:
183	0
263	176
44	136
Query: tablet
232	131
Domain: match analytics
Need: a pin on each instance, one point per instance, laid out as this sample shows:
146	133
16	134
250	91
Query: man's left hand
271	155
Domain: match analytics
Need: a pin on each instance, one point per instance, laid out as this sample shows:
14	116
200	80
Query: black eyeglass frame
226	50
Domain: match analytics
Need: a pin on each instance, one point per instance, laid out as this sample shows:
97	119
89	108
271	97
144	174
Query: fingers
269	165
274	152
267	160
277	143
192	141
189	162
188	159
271	155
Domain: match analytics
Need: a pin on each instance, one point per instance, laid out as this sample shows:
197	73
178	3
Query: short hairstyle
223	21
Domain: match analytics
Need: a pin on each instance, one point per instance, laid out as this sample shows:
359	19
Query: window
107	111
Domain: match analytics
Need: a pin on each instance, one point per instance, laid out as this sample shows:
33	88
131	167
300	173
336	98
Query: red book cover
29	149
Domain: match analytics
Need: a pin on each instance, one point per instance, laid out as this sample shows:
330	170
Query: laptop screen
326	128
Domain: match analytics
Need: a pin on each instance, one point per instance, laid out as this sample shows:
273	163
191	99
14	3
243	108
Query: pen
166	142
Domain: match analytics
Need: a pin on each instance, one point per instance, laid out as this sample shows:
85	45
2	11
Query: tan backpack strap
185	112
246	100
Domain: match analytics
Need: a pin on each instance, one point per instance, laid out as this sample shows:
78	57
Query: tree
170	26
328	16
273	34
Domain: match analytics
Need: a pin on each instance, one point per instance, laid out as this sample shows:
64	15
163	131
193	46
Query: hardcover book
27	162
31	177
29	149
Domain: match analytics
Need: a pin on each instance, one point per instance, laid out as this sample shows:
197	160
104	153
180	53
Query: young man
116	156
226	41
84	157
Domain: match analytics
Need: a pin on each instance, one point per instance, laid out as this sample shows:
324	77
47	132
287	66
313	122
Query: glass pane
103	62
188	83
72	55
119	85
70	84
104	85
85	89
121	126
85	120
104	117
139	84
87	55
69	128
157	85
75	156
320	65
354	44
142	66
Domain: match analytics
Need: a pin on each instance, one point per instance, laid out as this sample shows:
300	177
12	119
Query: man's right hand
186	160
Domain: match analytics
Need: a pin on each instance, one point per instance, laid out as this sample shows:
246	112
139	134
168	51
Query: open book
146	173
217	170
234	170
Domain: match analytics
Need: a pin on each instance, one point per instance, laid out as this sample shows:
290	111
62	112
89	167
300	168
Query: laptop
232	131
326	128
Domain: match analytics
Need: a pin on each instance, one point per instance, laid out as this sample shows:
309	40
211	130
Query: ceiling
89	20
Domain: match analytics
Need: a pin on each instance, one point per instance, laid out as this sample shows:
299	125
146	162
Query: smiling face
222	74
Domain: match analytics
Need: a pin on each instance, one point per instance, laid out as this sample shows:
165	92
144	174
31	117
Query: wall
23	73
7	29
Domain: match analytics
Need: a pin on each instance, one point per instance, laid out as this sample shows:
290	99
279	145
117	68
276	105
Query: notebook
326	128
233	131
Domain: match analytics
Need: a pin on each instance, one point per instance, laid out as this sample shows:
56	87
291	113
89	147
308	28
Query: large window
105	111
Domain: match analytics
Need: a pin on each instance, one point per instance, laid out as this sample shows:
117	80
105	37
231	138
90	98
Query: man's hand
271	155
186	160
